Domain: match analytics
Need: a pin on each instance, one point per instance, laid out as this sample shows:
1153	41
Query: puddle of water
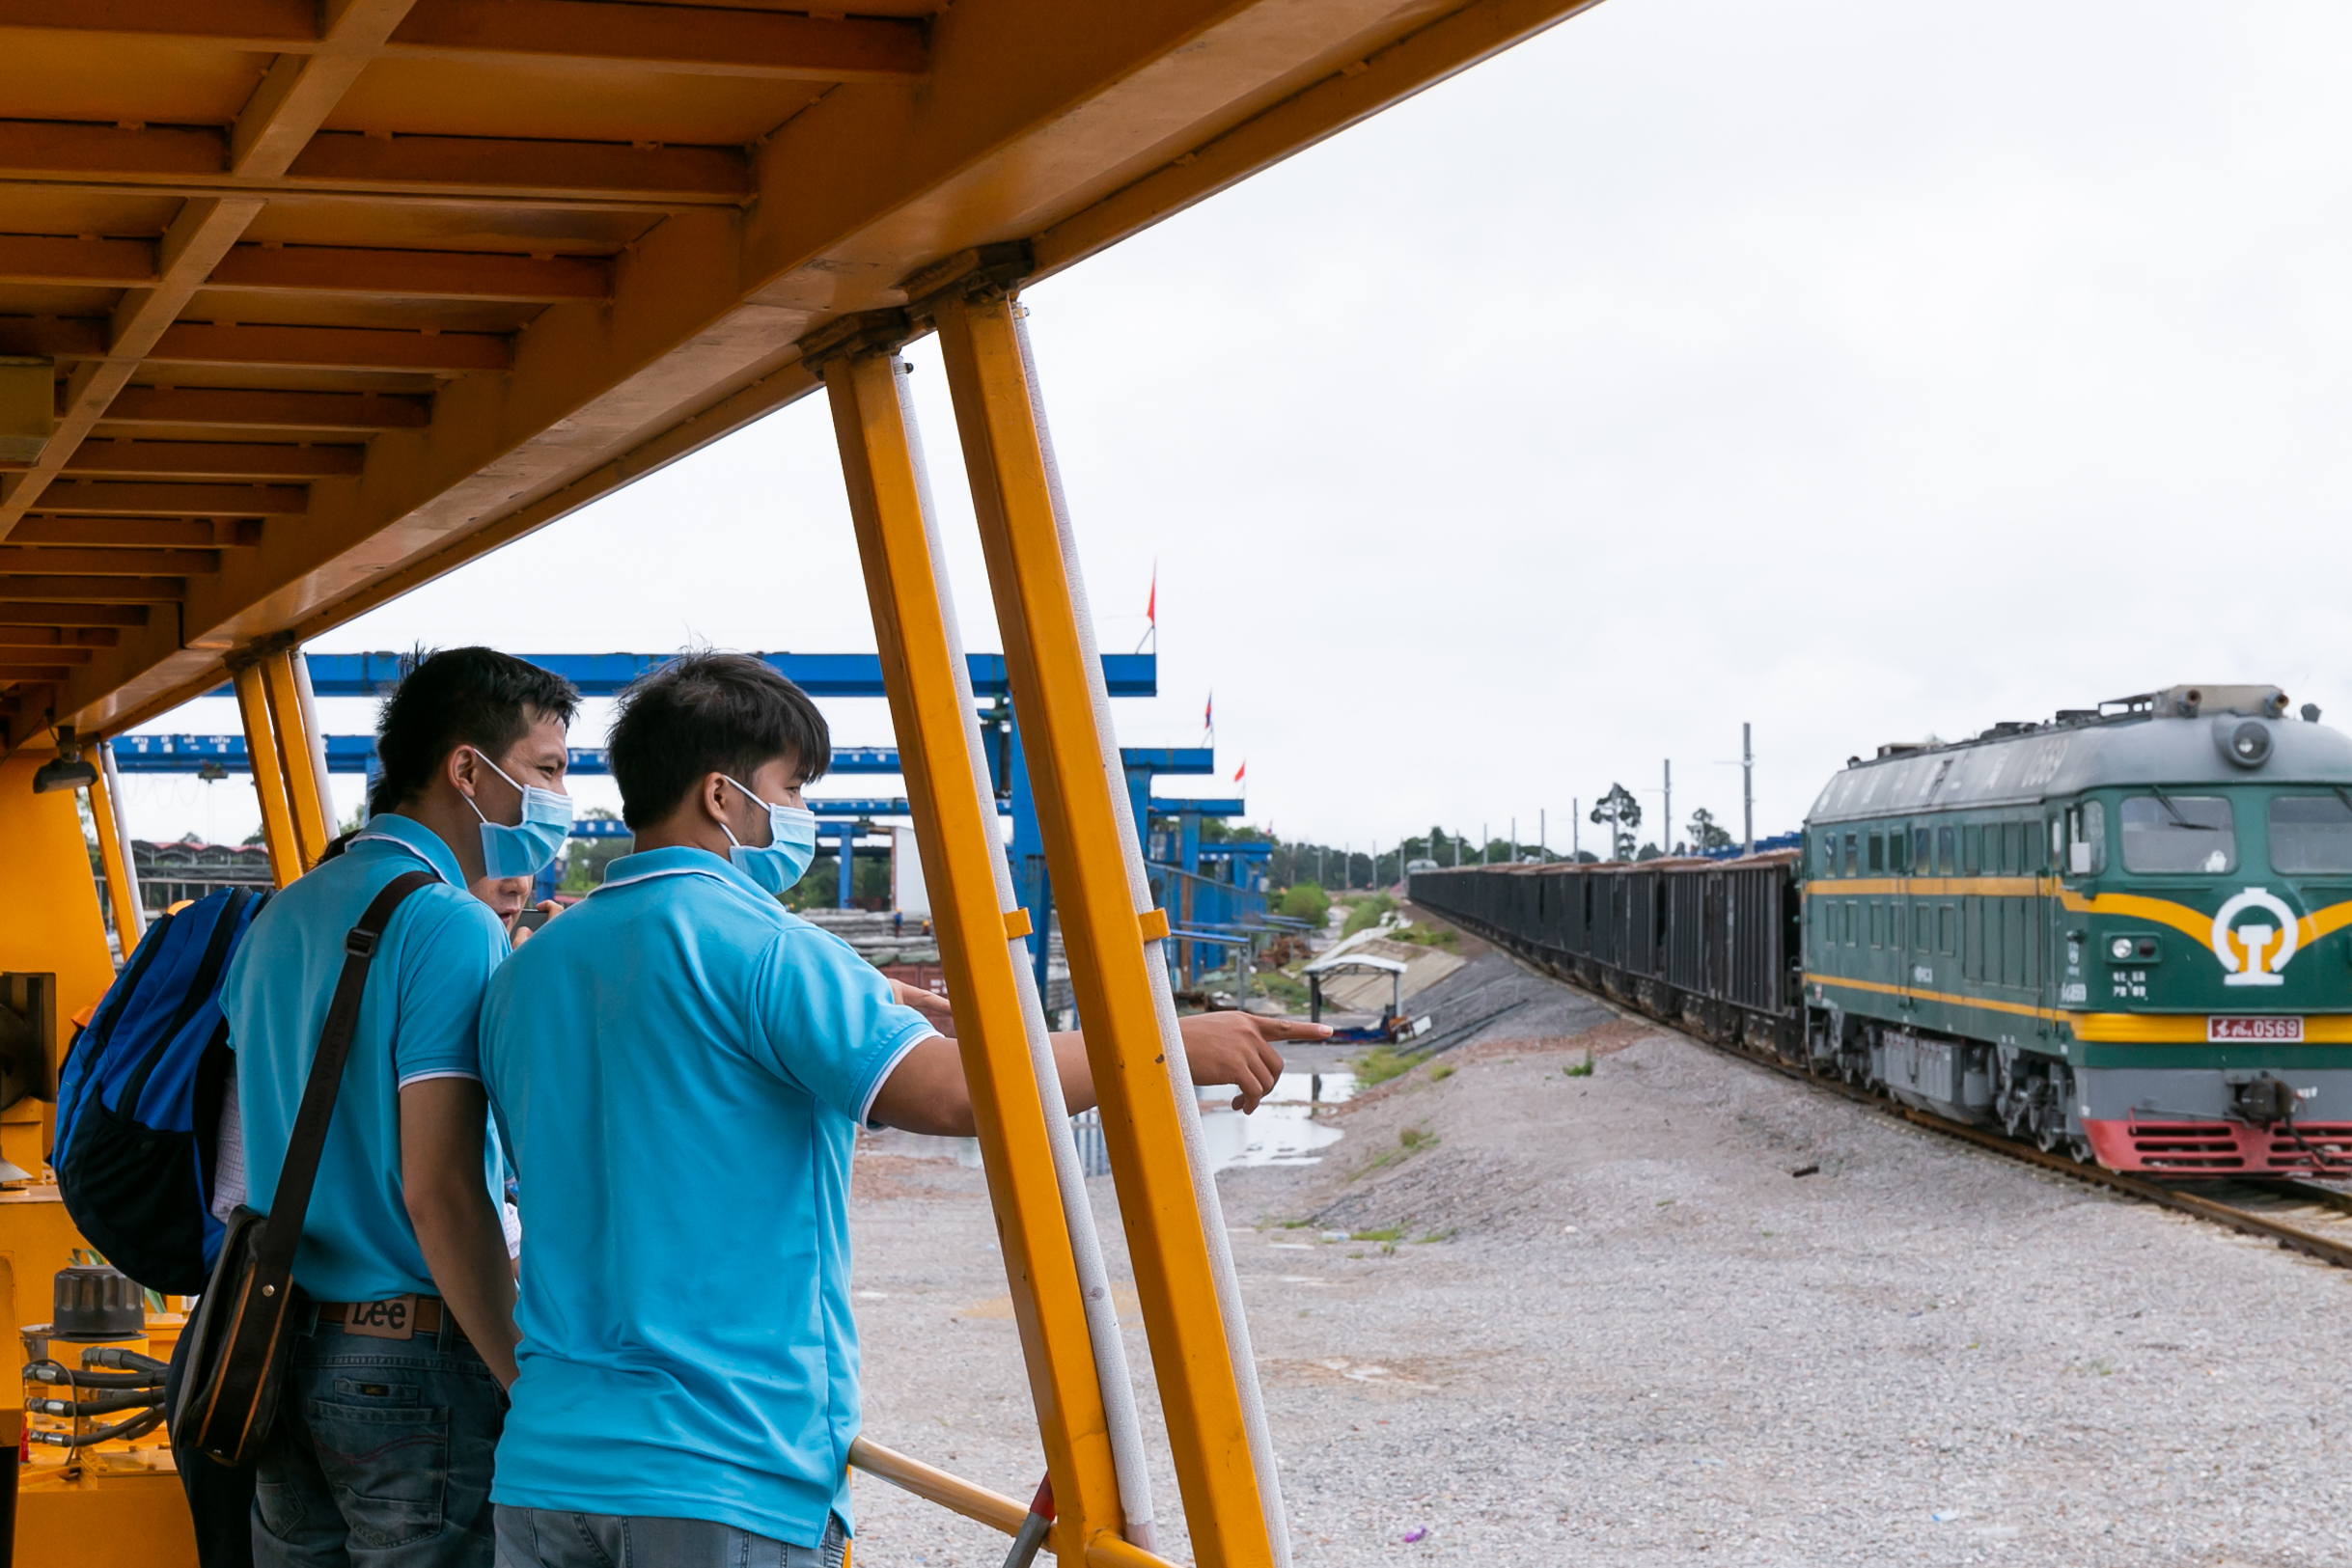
1282	1131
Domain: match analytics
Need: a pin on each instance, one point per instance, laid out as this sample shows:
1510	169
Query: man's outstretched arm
926	1092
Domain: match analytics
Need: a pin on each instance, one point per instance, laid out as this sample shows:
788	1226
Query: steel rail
2246	1222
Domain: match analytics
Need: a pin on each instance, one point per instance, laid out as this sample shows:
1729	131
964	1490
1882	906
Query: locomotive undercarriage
2028	1095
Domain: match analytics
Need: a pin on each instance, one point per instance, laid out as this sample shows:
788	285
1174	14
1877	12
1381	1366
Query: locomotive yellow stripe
1924	887
2025	1009
2177	1029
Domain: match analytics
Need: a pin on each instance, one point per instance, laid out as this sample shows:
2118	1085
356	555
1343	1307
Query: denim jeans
551	1538
380	1457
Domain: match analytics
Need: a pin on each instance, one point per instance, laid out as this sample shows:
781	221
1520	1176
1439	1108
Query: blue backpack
139	1101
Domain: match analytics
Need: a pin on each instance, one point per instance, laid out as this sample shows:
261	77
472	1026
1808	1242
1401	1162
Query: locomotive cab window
1852	864
1921	857
2166	833
2086	838
1878	851
2311	834
1943	851
1972	851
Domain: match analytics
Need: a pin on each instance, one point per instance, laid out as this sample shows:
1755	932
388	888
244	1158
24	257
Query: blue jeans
380	1457
551	1538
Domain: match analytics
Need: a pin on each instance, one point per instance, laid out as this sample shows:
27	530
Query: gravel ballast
1615	1327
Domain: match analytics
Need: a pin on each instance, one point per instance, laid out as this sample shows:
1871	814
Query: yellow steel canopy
303	305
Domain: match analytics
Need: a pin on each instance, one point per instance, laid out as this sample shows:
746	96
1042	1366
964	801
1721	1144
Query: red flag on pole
1209	714
1151	605
1239	771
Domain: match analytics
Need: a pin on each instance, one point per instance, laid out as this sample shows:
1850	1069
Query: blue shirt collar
684	860
420	840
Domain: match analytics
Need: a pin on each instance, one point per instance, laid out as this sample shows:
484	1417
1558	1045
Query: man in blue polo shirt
384	1435
679	1067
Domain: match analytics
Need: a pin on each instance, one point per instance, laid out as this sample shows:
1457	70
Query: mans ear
463	769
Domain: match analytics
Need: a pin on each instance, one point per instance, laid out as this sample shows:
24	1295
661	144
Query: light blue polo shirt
417	1020
679	1067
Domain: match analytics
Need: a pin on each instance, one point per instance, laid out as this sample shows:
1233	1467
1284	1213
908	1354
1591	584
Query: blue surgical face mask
530	846
792	845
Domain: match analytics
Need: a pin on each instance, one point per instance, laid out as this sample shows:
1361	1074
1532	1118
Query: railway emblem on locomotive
2254	936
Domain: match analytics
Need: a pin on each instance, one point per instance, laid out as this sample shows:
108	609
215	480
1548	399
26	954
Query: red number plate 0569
2254	1029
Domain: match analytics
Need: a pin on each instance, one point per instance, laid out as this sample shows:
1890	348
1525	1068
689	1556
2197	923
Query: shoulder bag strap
293	1199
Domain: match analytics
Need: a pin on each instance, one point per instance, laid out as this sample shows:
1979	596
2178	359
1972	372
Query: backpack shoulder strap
309	1139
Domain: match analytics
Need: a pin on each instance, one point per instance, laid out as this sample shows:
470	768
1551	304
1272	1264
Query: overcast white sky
1860	370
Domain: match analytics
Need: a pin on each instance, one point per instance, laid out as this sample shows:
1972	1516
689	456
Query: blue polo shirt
679	1067
417	1020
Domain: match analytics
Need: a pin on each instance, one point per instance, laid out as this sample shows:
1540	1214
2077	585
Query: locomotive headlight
2121	950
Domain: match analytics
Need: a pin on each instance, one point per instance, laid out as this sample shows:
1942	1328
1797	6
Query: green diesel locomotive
2117	932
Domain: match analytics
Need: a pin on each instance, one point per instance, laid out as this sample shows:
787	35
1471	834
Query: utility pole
1666	834
1543	835
1515	841
1483	842
1747	784
1576	829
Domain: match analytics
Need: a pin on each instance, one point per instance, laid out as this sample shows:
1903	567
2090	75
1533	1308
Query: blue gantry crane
1213	890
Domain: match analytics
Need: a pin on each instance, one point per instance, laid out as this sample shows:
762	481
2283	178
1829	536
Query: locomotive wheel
2050	1140
2080	1149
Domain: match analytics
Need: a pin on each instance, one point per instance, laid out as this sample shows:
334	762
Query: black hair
474	697
704	713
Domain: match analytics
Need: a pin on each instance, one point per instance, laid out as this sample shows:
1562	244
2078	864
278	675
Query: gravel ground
1616	1327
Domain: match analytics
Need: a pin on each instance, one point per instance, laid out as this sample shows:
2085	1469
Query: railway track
2301	1216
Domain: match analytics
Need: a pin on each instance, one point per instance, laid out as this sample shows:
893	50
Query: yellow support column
300	757
268	775
129	920
977	926
1112	938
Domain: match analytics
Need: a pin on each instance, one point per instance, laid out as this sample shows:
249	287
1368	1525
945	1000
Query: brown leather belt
401	1317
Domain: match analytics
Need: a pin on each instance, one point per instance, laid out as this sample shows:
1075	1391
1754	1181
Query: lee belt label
393	1319
2254	1029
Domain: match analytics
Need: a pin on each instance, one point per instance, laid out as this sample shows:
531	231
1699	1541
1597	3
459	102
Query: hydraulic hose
136	1426
1180	1071
143	1399
129	1361
1122	1423
53	1372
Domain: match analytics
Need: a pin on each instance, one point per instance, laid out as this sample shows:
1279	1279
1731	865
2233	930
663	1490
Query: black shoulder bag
239	1338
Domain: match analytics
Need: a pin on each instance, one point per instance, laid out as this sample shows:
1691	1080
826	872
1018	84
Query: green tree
1620	814
1706	835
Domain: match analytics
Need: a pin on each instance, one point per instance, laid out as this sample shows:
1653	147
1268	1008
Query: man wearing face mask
679	1067
391	1408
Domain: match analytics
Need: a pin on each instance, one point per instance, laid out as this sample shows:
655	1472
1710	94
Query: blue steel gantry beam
819	674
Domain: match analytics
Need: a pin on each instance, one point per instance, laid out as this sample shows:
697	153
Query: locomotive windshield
2178	833
2311	834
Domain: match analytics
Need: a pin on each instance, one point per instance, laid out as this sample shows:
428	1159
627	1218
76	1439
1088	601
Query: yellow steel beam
128	919
133	499
1079	815
326	269
978	925
109	563
78	593
671	38
366	412
112	617
300	91
58	638
301	757
268	775
84	262
196	161
140	533
215	459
